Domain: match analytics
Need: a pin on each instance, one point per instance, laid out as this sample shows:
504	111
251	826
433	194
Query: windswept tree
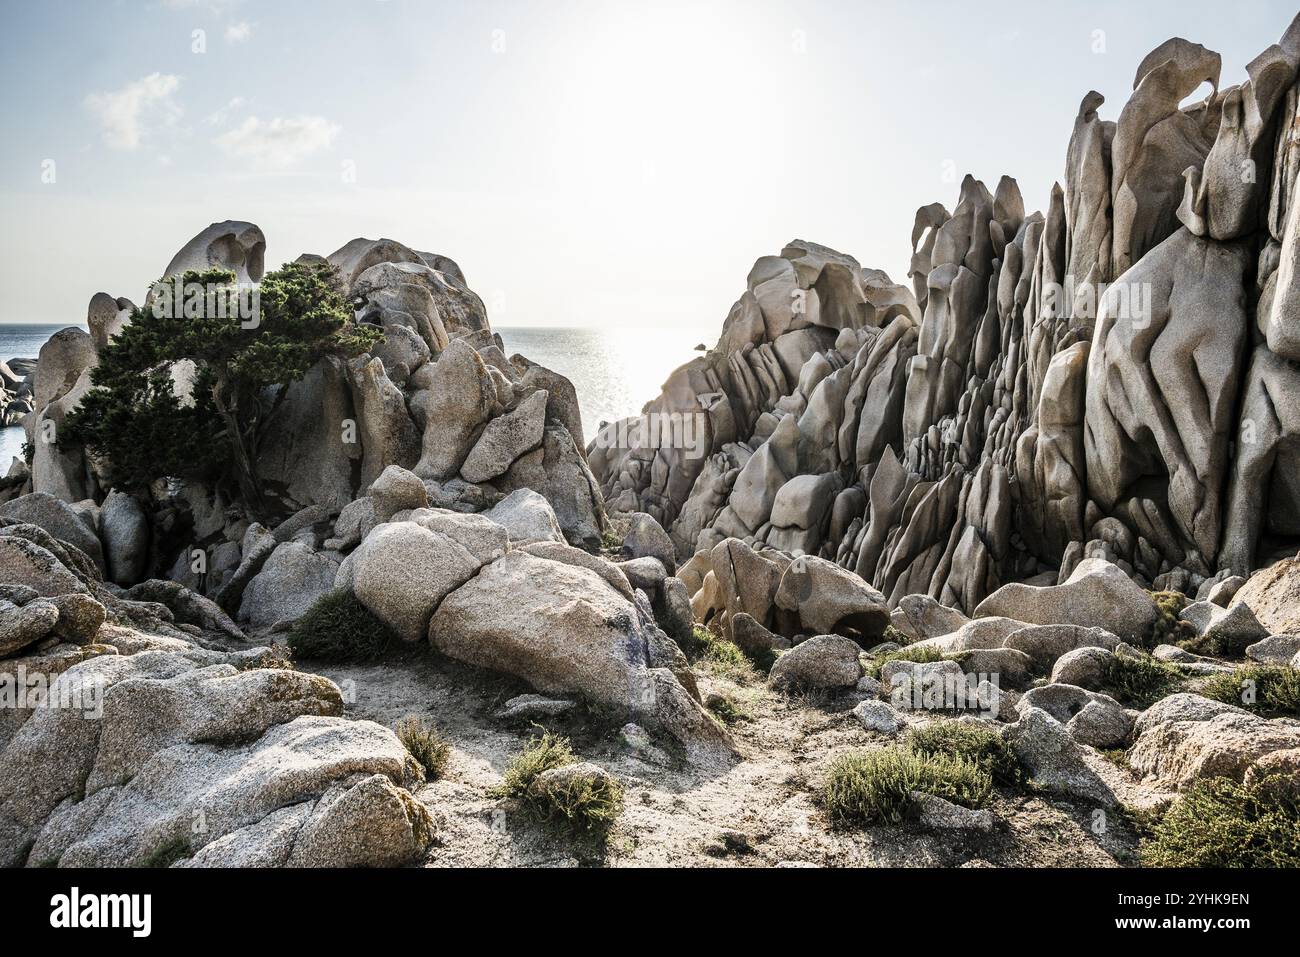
188	387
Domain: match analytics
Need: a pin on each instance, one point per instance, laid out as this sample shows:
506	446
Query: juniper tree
143	427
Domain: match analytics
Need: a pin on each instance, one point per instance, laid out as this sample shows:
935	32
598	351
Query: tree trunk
244	473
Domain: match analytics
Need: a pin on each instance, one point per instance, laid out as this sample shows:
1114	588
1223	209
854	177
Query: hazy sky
587	162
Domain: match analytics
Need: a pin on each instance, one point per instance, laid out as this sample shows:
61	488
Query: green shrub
916	653
980	745
584	804
1220	823
726	710
339	628
1168	628
540	754
1274	690
893	634
426	744
1140	682
874	787
719	657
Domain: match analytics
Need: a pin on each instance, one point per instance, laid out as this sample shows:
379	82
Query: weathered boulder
1224	631
290	582
1089	716
1176	754
646	538
124	528
1183	706
1275	649
928	618
527	516
878	716
397	490
80	616
403	571
825	661
459	402
1273	594
22	626
308	453
752	638
1083	667
1054	760
237	246
56	517
23	562
565	630
1047	643
505	438
828	598
1096	594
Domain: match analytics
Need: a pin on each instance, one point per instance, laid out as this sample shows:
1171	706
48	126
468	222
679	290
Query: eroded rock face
172	739
1080	383
1164	380
236	246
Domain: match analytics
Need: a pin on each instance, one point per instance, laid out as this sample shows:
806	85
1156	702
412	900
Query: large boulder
458	403
527	516
56	517
23	562
402	571
1183	706
1176	754
1273	594
237	246
1097	593
308	454
397	490
1054	760
645	537
826	661
167	756
289	583
23	625
564	629
828	598
1046	643
1224	631
124	528
505	438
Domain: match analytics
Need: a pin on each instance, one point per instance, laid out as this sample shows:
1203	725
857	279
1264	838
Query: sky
586	162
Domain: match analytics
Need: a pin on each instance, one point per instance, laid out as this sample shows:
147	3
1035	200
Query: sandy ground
677	814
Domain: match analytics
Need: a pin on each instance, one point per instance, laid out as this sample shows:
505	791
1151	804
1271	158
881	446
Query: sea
615	371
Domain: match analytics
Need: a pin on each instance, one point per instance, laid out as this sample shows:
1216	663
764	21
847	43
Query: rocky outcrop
1110	379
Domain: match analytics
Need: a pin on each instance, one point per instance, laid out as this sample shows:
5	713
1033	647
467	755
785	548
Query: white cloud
218	117
278	143
124	115
239	32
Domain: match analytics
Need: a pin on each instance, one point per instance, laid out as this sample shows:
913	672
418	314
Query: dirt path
677	814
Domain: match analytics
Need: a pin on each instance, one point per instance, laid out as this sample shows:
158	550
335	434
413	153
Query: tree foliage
135	421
